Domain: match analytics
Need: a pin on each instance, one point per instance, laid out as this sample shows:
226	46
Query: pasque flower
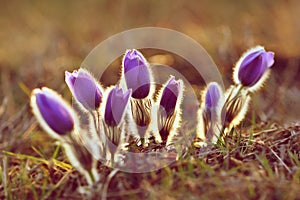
84	88
252	67
168	113
209	115
115	107
60	121
114	126
170	95
213	95
54	114
137	74
250	72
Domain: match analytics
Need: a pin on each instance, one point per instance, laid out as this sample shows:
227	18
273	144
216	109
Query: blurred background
39	40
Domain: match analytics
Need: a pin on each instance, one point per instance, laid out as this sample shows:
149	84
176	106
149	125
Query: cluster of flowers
129	109
115	113
220	111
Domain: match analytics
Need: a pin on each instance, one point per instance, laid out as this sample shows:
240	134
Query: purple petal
70	79
251	56
84	89
115	106
170	95
54	113
270	58
138	79
137	74
108	116
213	95
254	66
118	105
132	59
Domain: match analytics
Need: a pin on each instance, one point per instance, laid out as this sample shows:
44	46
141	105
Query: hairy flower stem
113	140
91	175
165	124
235	107
143	141
141	111
96	120
80	157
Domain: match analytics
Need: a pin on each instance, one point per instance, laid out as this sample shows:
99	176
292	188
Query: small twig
281	161
265	131
285	139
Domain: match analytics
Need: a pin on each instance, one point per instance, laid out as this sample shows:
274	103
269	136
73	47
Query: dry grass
257	163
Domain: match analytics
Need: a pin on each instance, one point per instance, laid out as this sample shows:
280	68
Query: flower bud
116	104
137	74
84	88
209	115
251	68
55	116
213	95
170	95
168	112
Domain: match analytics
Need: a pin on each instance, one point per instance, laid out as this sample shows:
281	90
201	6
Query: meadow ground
260	159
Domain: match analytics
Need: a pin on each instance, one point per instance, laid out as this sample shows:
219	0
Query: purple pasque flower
84	88
52	112
210	113
115	107
252	66
213	95
170	95
137	74
213	102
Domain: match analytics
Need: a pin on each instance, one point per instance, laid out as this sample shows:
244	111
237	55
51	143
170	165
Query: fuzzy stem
112	159
90	173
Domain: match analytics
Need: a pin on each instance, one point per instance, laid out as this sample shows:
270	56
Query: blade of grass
265	163
24	88
4	176
191	169
55	154
37	151
295	158
23	157
61	164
